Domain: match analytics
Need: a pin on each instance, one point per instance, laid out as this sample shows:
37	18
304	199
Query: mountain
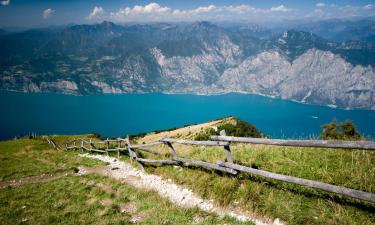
294	43
313	77
200	57
341	30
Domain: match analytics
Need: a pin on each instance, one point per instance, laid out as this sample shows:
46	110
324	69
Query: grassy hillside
29	157
87	199
74	197
94	200
292	203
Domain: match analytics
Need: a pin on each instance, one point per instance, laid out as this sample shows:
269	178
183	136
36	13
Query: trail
35	179
177	194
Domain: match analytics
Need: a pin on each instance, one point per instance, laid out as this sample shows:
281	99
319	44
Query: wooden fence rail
228	166
92	145
368	145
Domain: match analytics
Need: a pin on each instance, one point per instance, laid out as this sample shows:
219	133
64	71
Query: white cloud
96	13
48	13
154	7
5	3
319	11
147	12
154	12
208	9
369	6
240	8
280	8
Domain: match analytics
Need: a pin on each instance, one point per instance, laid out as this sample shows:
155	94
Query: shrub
343	131
95	135
205	134
238	128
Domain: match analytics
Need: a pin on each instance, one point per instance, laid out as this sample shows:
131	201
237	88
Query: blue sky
26	13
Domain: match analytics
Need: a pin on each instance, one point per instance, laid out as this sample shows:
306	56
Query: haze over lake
122	114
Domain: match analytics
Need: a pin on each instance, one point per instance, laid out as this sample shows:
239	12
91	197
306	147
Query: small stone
277	222
127	208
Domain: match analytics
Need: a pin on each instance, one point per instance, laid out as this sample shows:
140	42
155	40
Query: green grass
292	203
87	199
83	200
29	157
273	199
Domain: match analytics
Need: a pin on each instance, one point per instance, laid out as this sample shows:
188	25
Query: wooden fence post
132	154
107	146
90	145
227	148
81	145
118	148
173	151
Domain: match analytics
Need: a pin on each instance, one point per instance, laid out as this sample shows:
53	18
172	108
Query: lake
118	115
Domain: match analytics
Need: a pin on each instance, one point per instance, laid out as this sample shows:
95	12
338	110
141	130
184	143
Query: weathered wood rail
92	145
53	143
229	166
367	145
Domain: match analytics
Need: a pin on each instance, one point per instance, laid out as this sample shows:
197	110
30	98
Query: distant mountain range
339	30
326	63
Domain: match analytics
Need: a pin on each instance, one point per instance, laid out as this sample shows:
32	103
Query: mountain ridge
200	58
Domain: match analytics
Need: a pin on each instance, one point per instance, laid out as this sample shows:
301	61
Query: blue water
118	115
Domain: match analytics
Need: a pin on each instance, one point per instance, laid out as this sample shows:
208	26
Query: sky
37	13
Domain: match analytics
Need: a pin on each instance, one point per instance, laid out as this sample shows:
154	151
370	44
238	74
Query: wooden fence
229	166
105	146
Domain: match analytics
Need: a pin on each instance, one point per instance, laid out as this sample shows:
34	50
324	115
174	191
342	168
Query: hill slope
291	203
87	198
262	197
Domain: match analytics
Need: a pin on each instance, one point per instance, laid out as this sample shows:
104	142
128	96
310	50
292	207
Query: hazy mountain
190	58
341	30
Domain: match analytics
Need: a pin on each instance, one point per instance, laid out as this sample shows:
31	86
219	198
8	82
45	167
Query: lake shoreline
198	94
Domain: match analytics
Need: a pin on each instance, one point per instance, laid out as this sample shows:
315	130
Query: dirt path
35	179
166	188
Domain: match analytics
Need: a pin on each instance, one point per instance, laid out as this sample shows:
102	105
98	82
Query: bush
343	131
205	135
239	129
95	135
